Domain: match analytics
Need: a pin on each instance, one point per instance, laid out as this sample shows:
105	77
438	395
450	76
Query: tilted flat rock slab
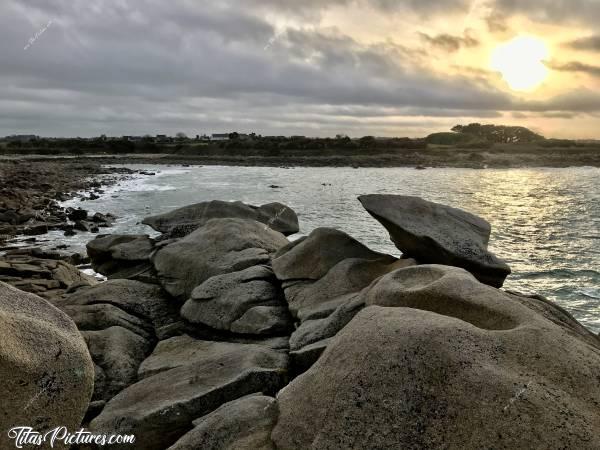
119	256
160	409
147	302
438	234
448	362
241	424
121	321
327	264
183	221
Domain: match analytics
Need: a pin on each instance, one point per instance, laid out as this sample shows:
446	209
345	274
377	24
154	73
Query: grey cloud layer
121	67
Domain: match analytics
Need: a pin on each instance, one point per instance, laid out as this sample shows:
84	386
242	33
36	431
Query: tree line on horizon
471	136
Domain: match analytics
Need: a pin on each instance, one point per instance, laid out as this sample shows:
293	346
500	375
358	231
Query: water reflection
546	222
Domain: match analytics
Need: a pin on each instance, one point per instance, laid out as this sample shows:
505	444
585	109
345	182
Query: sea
545	221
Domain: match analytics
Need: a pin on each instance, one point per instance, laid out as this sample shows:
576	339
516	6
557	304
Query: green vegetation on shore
473	145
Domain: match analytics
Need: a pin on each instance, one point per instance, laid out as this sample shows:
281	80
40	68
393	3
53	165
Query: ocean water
545	222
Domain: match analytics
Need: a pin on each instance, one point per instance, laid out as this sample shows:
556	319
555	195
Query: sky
298	67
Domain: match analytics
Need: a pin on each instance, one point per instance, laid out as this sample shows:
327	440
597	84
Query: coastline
430	158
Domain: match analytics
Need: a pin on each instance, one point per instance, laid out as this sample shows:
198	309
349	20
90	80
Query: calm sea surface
545	222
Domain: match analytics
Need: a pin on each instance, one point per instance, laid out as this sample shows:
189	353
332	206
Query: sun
521	62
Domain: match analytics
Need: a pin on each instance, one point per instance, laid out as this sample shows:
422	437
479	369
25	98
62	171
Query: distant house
22	137
220	136
161	138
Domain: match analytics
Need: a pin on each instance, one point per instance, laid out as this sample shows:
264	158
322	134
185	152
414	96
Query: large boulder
148	303
220	246
117	353
183	221
248	302
241	424
322	276
121	320
325	265
437	234
187	383
448	362
46	371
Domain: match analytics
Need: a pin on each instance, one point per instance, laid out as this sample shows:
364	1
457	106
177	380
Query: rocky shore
222	333
30	192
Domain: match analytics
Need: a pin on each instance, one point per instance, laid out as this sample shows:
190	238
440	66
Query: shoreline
32	191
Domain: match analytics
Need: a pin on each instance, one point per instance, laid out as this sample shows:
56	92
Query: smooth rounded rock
183	221
447	363
220	246
47	373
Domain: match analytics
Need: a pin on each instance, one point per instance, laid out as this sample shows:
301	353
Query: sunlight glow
521	62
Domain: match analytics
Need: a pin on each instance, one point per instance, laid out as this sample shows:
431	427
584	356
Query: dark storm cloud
589	43
576	66
556	11
449	42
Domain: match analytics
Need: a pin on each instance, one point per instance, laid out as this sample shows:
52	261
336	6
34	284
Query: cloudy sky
311	67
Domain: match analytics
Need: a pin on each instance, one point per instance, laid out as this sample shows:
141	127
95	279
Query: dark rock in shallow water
440	360
221	246
247	302
84	225
241	424
76	214
160	409
438	234
46	371
183	221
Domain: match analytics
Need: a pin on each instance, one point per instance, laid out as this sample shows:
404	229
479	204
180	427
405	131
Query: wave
142	187
563	273
590	292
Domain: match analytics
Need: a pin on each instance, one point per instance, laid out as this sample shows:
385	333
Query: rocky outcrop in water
183	221
30	192
46	371
438	234
243	339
